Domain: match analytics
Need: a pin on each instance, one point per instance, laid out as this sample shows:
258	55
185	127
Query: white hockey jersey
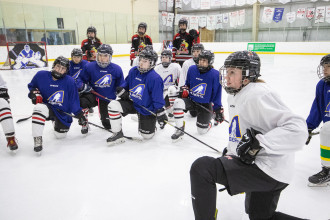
3	84
169	75
283	133
185	68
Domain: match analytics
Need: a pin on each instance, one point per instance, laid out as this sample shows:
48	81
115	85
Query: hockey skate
322	178
116	138
12	145
178	135
84	129
38	145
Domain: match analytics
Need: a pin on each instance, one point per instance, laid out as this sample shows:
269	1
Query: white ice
82	178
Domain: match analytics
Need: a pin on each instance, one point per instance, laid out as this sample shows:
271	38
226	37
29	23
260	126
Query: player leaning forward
142	94
263	137
6	118
320	111
54	94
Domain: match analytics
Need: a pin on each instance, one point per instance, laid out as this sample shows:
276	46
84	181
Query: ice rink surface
80	178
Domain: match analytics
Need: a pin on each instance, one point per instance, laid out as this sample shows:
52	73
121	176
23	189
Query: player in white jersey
6	118
170	73
263	137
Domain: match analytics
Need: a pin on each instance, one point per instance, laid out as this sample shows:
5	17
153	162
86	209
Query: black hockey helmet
148	47
209	56
143	25
91	29
63	62
150	55
320	68
77	52
247	61
195	47
166	53
183	21
104	49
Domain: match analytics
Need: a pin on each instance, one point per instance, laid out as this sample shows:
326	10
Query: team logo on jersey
56	98
199	90
234	130
327	110
183	48
105	81
168	81
75	76
137	91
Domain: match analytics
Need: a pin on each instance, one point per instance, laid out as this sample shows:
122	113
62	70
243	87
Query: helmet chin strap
57	75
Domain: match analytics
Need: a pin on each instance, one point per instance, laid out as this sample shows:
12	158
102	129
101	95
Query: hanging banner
327	13
225	18
233	19
310	13
178	3
241	17
284	1
205	4
177	19
186	2
278	13
218	24
164	18
215	3
170	17
196	4
319	14
251	2
291	17
301	13
230	2
202	21
210	22
193	22
170	3
267	15
240	2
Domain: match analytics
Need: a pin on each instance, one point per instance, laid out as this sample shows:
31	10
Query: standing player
6	118
263	137
142	88
89	45
183	41
202	89
320	111
54	94
170	73
103	77
139	41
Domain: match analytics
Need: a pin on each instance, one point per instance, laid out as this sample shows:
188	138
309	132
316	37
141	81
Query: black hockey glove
184	92
310	135
224	152
85	88
122	93
35	96
82	119
4	93
161	117
219	116
248	148
193	33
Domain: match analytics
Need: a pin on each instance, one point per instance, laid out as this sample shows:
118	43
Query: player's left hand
4	93
248	148
219	115
161	117
82	120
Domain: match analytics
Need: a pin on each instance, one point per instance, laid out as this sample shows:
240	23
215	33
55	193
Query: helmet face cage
104	49
209	56
143	25
223	81
76	53
166	53
63	62
149	55
320	69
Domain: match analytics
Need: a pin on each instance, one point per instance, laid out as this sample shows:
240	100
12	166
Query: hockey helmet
183	21
209	56
61	60
91	29
104	49
166	53
143	25
150	55
77	52
199	47
320	68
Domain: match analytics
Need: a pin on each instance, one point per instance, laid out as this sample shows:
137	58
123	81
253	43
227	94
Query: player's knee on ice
179	104
147	136
202	130
60	135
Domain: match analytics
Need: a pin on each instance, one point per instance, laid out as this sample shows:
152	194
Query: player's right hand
35	96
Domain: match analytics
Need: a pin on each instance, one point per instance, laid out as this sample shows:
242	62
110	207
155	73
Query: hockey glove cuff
219	115
184	92
310	135
4	93
161	117
35	96
248	148
122	93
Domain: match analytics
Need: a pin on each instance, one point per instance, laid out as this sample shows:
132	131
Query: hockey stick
23	119
97	94
95	125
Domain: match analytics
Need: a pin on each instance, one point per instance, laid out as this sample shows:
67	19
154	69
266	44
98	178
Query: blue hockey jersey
204	88
103	80
75	69
145	89
320	110
59	94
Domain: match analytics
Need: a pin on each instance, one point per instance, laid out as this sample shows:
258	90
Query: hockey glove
4	93
310	135
82	120
132	55
248	148
122	93
161	117
224	152
219	116
193	33
184	92
85	88
35	96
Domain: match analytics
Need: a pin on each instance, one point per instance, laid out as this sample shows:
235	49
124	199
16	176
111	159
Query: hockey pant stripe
6	113
5	109
2	119
39	116
39	123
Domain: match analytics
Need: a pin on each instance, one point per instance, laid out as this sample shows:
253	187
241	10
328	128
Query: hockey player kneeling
202	88
142	89
263	138
55	95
